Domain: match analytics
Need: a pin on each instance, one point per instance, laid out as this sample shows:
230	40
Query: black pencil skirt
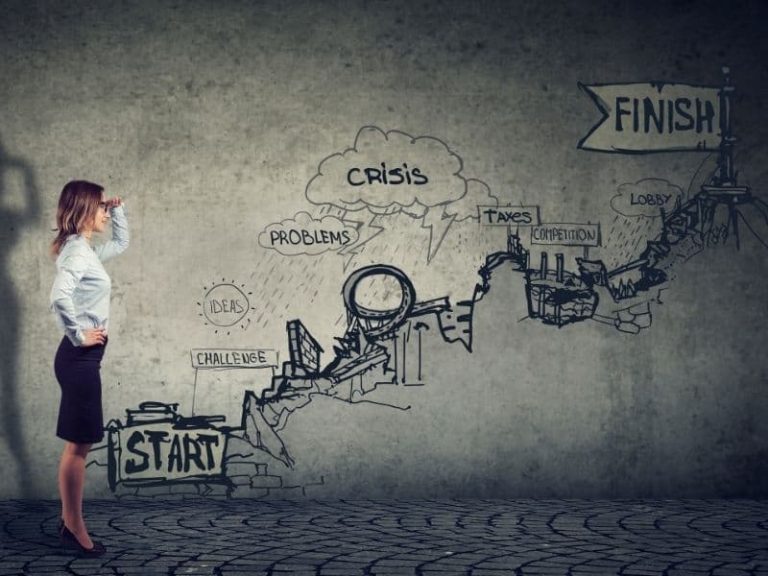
80	414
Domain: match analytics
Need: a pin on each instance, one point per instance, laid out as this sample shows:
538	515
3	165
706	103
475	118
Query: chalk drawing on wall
648	117
360	190
388	177
225	306
304	234
156	451
379	347
387	197
655	117
216	390
649	198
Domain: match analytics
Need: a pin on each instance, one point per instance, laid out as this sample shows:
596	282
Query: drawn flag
654	117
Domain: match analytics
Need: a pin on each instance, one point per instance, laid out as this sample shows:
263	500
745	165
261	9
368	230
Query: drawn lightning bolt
438	223
367	230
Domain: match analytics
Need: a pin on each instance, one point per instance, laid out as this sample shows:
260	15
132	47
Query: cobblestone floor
392	538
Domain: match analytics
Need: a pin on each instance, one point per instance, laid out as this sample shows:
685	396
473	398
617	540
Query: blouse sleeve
69	274
120	236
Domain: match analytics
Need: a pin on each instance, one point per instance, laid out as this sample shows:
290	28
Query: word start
170	451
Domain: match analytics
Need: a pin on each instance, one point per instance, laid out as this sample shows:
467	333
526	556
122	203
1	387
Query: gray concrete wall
212	118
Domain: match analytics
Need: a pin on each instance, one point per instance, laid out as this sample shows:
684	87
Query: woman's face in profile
102	216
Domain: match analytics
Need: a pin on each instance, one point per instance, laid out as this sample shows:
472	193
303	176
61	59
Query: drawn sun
225	305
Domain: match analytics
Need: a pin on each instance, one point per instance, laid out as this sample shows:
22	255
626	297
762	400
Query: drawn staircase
694	219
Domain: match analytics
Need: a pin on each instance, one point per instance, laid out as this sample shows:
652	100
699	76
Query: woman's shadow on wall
19	207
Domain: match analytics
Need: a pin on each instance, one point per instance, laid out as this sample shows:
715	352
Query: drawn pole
194	393
585	247
404	361
394	348
727	177
419	373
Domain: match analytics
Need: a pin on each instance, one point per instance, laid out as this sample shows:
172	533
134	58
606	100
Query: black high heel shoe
69	539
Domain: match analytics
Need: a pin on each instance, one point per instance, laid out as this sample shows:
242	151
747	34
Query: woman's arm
120	235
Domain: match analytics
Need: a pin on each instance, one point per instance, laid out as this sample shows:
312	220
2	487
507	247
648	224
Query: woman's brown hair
78	204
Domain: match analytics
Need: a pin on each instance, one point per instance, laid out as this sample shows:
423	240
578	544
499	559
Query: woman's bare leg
71	486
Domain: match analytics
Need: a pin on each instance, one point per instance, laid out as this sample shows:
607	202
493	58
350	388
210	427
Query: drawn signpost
156	446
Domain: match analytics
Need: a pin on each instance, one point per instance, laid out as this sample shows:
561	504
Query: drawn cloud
646	198
478	194
304	234
386	171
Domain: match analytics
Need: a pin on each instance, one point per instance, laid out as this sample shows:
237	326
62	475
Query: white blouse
81	289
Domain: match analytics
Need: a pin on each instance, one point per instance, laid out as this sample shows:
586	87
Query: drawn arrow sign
654	117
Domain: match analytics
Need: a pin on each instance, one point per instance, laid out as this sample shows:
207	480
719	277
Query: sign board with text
508	215
158	452
206	358
561	234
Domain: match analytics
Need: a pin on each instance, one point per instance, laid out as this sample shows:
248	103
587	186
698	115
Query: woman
80	301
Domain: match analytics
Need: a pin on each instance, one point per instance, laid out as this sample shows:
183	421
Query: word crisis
388	176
